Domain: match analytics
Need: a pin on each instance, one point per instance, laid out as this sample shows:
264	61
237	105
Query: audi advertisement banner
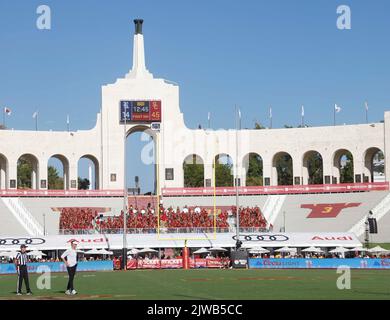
319	263
9	268
226	240
176	263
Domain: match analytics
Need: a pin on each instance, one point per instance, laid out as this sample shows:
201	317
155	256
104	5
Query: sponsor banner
131	264
216	263
198	263
61	193
171	263
354	263
225	240
303	239
149	264
9	268
220	191
297	189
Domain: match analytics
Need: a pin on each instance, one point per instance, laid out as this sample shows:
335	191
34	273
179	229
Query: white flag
67	119
239	113
35	114
366	105
270	112
303	111
337	108
208	116
8	111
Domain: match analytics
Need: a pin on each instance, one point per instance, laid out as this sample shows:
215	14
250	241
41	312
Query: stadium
273	208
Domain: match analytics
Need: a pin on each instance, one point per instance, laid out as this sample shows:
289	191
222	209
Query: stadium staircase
272	207
379	211
23	216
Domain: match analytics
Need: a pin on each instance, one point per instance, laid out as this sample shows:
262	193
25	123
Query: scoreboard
140	111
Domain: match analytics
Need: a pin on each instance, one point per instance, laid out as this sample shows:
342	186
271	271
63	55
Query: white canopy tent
287	250
339	250
201	251
93	251
360	249
378	249
133	251
105	252
258	250
36	253
9	254
313	250
147	250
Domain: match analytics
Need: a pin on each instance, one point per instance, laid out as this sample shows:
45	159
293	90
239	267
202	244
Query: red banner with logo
131	264
215	263
297	189
149	264
171	263
198	263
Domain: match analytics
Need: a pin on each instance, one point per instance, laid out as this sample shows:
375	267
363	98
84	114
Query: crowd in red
77	218
81	218
251	218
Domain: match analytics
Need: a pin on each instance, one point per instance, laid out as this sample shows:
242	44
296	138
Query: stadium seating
333	212
144	218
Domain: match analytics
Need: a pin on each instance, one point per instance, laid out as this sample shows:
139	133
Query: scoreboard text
140	111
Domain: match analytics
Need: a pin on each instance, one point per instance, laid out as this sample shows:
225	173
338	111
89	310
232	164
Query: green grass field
210	285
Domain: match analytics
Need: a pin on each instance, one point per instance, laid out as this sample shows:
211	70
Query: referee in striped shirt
21	267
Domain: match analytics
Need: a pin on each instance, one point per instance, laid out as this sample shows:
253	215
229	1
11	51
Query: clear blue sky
250	53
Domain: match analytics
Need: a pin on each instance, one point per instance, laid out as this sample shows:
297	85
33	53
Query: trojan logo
327	210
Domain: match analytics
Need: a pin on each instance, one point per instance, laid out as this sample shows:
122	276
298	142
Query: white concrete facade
104	144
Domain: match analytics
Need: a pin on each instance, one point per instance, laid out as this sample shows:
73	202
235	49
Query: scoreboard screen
140	111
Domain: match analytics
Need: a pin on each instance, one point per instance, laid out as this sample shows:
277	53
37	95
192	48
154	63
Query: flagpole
366	106
67	122
125	196
270	117
334	115
4	118
238	122
36	122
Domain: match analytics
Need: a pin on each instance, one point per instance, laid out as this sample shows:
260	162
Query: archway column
327	167
3	173
73	175
268	177
12	182
43	182
3	178
209	174
66	176
358	170
297	169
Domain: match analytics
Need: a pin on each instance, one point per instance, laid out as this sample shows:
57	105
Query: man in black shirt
21	268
